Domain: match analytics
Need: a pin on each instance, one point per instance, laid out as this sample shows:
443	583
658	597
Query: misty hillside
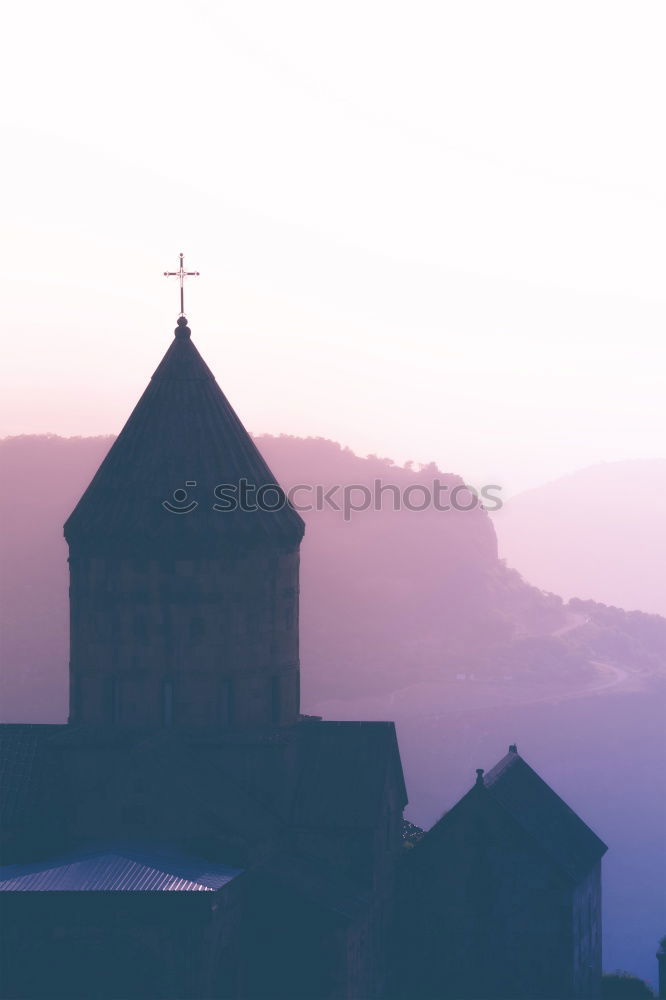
606	537
390	600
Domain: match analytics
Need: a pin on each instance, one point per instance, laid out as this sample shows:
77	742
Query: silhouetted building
189	833
502	897
183	617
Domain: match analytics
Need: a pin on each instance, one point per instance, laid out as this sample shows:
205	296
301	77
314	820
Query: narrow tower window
167	703
232	703
140	627
114	699
227	710
197	628
276	700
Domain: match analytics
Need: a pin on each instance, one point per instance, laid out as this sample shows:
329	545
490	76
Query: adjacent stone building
186	756
502	897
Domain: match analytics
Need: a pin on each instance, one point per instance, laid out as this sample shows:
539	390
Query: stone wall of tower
210	640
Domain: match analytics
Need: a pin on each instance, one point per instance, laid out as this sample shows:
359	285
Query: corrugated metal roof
116	871
183	429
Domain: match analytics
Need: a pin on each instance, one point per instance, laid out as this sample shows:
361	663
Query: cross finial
181	273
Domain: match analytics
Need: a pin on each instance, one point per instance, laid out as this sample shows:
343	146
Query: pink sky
435	238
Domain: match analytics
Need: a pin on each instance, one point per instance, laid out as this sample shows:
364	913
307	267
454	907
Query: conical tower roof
182	441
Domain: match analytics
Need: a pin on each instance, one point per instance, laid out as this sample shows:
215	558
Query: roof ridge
182	432
550	790
494	791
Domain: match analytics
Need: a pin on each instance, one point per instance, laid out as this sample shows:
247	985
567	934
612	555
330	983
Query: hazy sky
427	230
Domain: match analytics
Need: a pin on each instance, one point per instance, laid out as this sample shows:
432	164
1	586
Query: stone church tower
184	610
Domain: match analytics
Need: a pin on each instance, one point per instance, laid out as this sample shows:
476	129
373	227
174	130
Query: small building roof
559	831
117	871
534	810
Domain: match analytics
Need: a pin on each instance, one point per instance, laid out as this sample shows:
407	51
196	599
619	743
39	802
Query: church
189	833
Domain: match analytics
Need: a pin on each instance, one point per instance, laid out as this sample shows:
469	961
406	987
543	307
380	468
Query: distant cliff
605	537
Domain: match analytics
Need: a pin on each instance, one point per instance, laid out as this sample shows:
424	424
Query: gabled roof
228	795
162	786
551	823
182	430
545	821
117	871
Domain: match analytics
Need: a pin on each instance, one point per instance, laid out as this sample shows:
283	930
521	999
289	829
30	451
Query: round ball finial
182	330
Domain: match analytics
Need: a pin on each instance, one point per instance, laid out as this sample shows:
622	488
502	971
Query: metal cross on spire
181	273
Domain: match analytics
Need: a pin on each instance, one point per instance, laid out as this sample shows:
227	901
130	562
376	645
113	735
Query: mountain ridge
606	535
391	600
